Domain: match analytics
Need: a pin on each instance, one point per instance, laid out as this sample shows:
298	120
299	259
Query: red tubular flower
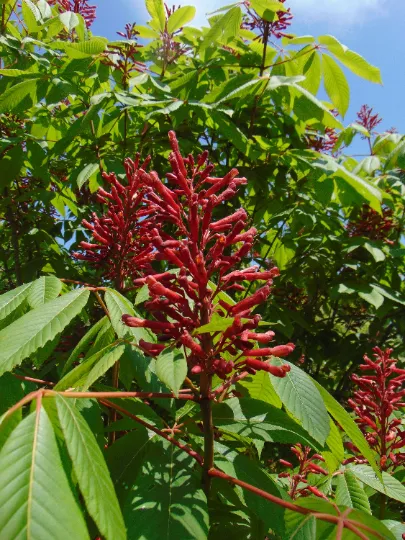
123	232
373	225
379	396
367	119
198	251
299	486
77	6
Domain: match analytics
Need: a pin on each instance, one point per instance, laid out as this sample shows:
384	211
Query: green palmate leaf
267	9
103	365
256	419
12	299
84	344
300	396
31	15
86	173
15	72
348	425
259	386
328	118
335	453
69	20
336	85
157	11
78	376
395	527
225	28
350	493
357	64
244	469
118	306
82	49
166	499
23	94
171	368
36	500
390	485
91	471
34	329
43	290
180	17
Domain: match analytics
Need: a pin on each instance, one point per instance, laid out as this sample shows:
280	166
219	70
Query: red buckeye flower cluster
367	119
373	225
380	395
299	486
201	255
78	6
120	237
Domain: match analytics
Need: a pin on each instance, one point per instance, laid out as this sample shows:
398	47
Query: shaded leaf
171	368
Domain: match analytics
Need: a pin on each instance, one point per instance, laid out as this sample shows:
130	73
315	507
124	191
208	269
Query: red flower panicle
373	225
78	6
379	395
203	251
299	486
276	28
367	119
120	242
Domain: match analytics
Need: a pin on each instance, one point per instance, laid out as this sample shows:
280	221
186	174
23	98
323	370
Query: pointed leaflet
34	329
300	396
180	17
12	299
24	93
226	27
348	425
44	289
390	485
157	12
358	65
350	493
259	387
36	501
166	500
248	471
118	306
103	365
258	420
91	471
336	85
171	368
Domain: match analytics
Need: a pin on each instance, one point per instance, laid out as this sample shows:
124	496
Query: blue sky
373	28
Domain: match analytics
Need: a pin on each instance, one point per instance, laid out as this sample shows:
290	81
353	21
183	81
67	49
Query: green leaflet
171	368
34	329
35	500
91	471
10	300
336	85
44	289
350	493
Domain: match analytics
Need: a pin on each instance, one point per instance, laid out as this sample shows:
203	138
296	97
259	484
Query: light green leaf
34	329
390	486
86	173
173	106
15	72
395	296
357	64
373	297
31	15
118	306
10	300
259	386
336	85
217	324
43	290
157	12
267	9
166	501
36	500
376	252
142	295
23	93
397	528
103	365
258	420
348	425
180	17
69	19
335	453
350	493
171	368
91	471
82	49
224	28
300	396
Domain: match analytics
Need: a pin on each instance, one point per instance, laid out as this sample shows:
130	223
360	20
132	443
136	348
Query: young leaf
302	399
166	501
36	500
157	12
43	290
10	300
171	368
34	329
350	493
180	17
336	85
91	471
